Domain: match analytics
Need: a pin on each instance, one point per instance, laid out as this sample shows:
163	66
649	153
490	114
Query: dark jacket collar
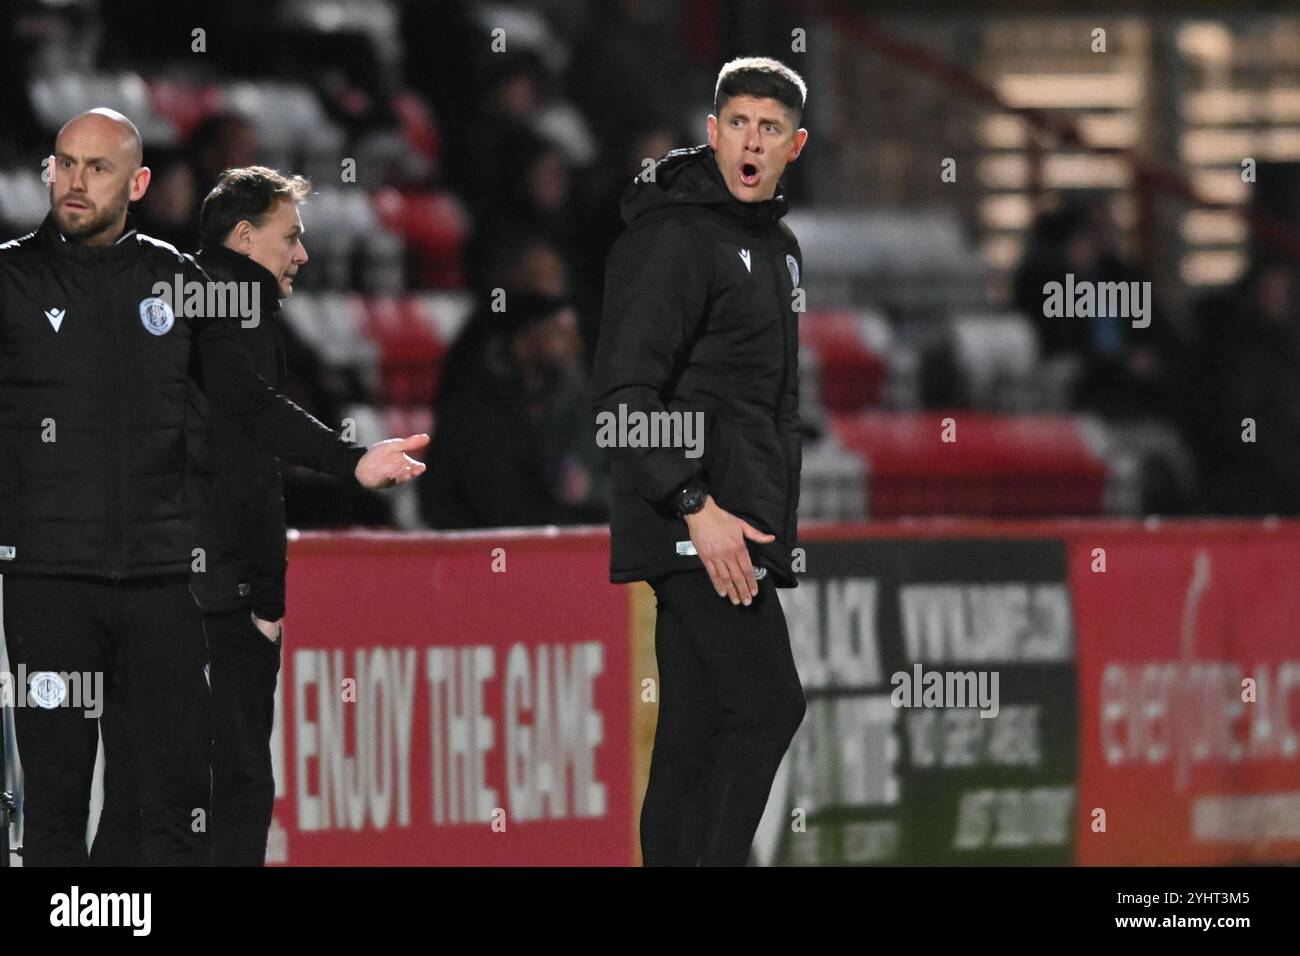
224	265
53	237
691	176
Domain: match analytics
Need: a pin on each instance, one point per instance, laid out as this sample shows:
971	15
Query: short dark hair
761	77
251	193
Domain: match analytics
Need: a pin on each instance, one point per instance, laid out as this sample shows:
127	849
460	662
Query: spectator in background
478	159
166	211
350	67
531	199
524	262
20	41
1124	372
598	189
532	192
1248	367
630	55
513	441
531	32
445	51
222	141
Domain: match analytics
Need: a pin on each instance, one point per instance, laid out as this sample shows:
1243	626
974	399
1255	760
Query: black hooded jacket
699	316
95	376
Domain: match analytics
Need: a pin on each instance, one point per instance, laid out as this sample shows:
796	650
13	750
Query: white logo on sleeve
157	315
792	264
744	257
56	317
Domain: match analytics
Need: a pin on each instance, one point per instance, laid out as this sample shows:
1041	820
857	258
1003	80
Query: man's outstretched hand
719	539
386	463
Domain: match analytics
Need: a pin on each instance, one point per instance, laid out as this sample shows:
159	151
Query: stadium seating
382	298
24	199
996	465
434	227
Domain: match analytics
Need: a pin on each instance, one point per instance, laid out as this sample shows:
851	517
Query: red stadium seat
434	226
419	128
185	105
1000	465
852	375
410	351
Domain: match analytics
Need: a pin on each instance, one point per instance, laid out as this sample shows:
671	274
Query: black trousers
145	638
730	701
245	668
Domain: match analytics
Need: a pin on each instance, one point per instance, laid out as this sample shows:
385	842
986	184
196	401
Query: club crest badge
157	315
46	689
793	266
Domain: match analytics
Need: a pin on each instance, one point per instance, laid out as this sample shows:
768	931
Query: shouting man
699	319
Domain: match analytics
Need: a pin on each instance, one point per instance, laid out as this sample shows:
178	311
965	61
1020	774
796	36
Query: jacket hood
690	177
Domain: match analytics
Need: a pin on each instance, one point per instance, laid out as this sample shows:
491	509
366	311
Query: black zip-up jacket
94	383
238	496
699	316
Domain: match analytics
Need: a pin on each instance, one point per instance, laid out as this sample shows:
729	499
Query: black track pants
145	639
730	701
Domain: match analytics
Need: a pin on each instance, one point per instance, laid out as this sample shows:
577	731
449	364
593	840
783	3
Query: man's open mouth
749	174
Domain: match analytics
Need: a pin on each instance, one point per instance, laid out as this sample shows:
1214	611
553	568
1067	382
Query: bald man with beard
95	551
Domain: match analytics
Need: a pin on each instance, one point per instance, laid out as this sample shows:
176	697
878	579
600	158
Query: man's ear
140	183
800	140
712	126
240	239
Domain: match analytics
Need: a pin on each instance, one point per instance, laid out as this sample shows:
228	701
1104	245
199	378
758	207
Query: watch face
691	501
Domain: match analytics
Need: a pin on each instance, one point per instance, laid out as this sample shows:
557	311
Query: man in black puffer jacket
95	543
700	322
251	239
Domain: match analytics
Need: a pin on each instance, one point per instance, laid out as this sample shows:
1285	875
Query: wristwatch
690	500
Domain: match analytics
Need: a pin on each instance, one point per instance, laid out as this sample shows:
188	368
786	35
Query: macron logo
56	317
744	257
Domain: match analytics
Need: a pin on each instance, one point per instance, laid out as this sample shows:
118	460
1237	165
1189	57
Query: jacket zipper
117	505
780	396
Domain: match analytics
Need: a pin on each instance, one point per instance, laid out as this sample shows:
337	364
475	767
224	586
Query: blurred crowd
1212	374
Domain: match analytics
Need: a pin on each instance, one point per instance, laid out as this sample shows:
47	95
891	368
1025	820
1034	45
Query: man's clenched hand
719	539
386	463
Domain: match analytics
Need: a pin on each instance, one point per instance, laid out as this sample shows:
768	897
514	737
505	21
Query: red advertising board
453	700
1189	690
476	699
